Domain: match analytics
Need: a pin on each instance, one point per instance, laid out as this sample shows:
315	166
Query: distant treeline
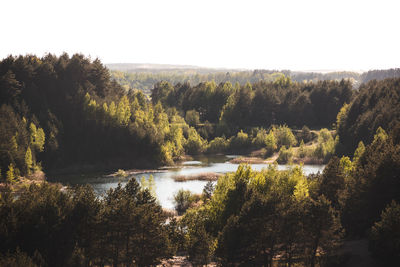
144	79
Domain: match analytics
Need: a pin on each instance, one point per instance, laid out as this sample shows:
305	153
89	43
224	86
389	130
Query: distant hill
157	68
143	76
380	74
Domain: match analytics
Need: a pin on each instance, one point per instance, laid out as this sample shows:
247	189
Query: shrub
240	142
285	155
284	136
302	150
195	144
326	145
264	140
305	134
218	145
183	200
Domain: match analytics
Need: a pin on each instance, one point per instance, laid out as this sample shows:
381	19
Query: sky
269	34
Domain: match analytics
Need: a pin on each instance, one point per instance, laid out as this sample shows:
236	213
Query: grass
207	176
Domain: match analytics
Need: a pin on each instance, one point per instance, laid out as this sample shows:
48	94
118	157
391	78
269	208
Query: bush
284	136
218	145
183	200
324	136
195	144
240	142
326	145
285	155
302	150
305	134
264	140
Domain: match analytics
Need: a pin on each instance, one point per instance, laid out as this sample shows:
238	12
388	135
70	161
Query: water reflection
165	184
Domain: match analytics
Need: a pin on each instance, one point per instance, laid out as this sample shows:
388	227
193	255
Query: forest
144	76
68	114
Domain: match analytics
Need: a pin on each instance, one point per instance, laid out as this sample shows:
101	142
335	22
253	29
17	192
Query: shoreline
272	160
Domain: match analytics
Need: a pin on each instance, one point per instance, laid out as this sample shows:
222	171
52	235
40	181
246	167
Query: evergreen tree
28	160
10	175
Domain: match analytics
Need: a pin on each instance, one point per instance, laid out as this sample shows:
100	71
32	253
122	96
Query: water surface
165	184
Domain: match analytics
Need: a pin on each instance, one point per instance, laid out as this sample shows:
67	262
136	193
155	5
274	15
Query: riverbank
20	183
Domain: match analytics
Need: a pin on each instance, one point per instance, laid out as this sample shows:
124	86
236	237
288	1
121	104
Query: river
165	184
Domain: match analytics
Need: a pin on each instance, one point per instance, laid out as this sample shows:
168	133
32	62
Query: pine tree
33	130
28	160
40	139
358	152
112	110
10	175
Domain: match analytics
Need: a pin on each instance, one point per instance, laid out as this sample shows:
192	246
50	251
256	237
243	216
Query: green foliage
123	112
200	244
218	145
121	173
284	136
276	100
37	138
374	184
28	160
270	143
376	105
302	151
278	204
264	140
305	134
341	116
10	175
125	227
208	190
86	108
326	145
324	136
192	117
240	142
285	155
384	238
134	77
183	200
194	144
380	135
359	152
40	140
333	181
176	235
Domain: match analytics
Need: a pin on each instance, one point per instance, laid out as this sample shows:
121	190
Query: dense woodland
67	112
139	77
261	104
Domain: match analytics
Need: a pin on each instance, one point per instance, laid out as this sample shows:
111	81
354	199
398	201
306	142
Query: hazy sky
278	34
